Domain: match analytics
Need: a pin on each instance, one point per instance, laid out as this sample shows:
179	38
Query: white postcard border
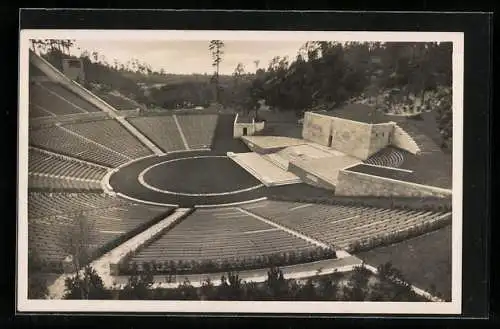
26	305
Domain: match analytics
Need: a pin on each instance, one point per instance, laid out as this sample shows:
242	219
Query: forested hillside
396	77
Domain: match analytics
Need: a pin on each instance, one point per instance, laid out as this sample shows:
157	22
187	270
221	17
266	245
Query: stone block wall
351	137
359	184
310	178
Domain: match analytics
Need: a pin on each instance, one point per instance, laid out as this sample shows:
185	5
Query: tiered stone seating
217	235
52	102
57	139
35	71
52	120
41	162
41	204
113	135
58	89
36	111
52	183
161	130
198	129
387	157
119	103
51	235
340	226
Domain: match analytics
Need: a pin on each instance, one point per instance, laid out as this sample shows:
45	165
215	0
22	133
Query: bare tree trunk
422	99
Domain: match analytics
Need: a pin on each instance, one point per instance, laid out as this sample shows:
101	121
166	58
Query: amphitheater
185	191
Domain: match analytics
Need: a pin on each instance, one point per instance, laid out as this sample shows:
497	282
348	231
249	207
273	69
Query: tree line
358	285
321	73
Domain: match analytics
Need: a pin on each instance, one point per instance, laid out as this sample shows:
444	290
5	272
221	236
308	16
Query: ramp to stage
265	171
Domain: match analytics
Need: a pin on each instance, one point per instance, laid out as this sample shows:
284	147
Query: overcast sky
190	56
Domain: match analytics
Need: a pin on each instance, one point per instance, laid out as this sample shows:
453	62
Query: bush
86	285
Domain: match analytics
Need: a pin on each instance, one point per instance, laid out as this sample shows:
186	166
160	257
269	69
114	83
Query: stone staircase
424	143
407	143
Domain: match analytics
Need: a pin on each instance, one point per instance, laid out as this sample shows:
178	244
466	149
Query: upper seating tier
198	129
112	135
161	130
61	141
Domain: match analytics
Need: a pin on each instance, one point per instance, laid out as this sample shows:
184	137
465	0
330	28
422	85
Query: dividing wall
352	183
381	135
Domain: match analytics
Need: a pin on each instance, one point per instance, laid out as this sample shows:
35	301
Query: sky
190	56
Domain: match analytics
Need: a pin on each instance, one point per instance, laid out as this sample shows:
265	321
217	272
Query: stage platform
322	172
279	160
270	144
308	162
303	152
265	171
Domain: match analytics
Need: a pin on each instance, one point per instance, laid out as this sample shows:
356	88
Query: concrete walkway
181	132
299	271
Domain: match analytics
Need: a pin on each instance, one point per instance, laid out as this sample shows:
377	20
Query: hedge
234	264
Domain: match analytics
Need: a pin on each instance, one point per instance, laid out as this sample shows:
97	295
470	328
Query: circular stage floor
201	176
186	179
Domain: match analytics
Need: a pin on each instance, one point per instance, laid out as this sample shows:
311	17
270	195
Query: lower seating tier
220	235
341	226
53	238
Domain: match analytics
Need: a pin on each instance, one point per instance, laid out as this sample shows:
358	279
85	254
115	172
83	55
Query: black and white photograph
270	171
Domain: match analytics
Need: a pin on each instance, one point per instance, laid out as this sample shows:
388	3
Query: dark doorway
330	139
245	131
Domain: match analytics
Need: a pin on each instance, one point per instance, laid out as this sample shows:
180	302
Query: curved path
193	178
